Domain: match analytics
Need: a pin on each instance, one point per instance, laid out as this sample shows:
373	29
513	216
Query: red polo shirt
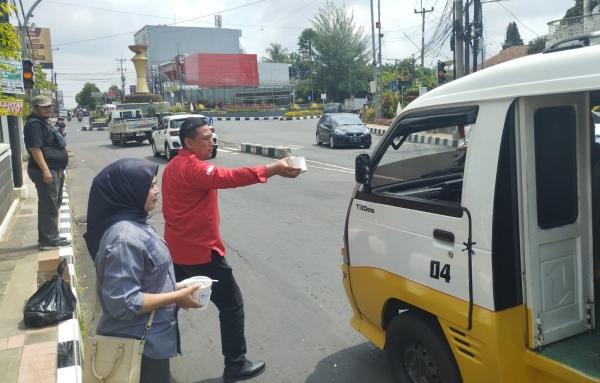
190	205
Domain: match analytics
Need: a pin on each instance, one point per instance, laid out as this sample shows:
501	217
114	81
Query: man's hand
47	176
282	168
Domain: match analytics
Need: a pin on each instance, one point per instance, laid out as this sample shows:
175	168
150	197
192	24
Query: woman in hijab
134	273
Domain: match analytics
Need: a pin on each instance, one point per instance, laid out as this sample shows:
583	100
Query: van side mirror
362	169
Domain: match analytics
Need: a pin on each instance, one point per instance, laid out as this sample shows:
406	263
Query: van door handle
443	235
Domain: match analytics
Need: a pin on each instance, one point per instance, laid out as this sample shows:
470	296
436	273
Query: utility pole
26	48
459	68
374	59
467	37
122	70
423	11
14	134
380	35
477	29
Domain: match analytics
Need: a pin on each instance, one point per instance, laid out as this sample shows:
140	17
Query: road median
266	150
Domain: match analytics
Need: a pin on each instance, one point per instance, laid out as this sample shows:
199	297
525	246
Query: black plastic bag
52	302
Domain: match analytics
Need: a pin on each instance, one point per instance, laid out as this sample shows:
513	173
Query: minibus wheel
417	351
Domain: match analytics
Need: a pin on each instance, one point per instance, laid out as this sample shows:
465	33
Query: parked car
165	139
342	129
332	107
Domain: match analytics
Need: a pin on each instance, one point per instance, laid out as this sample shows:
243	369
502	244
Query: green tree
41	82
537	45
513	37
342	53
306	42
9	41
84	97
276	54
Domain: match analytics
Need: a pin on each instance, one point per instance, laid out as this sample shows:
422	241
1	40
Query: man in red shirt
190	208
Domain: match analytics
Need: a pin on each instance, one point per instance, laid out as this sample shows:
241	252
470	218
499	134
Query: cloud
265	22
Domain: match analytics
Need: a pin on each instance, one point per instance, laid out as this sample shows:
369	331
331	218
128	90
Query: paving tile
9	365
49	334
16	341
3	343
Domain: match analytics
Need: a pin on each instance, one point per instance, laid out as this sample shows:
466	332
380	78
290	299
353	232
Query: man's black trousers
49	201
226	295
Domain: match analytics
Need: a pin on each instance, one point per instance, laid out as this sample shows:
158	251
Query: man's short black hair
188	128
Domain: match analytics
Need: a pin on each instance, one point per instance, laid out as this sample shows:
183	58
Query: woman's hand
185	298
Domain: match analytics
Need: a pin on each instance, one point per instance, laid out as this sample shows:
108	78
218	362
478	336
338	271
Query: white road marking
330	165
295	146
223	150
336	170
232	149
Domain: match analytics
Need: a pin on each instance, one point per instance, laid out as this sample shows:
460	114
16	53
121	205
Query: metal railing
572	26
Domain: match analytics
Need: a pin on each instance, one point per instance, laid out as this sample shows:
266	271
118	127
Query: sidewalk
32	355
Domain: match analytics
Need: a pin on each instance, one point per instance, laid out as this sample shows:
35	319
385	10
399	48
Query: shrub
315	106
176	109
368	114
295	107
142	97
302	113
200	107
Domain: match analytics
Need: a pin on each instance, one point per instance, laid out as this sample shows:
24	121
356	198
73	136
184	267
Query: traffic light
441	72
27	74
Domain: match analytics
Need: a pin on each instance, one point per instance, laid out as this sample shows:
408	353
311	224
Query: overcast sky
88	35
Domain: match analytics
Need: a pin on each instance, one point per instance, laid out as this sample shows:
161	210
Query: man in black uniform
47	162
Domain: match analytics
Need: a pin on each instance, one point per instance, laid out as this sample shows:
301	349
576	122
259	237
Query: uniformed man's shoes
242	371
62	242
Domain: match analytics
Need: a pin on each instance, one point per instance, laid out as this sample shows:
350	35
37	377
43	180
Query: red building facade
217	70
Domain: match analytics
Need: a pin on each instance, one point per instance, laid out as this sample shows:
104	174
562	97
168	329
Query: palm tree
276	54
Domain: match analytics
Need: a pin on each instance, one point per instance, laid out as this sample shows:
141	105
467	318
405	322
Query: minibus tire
414	338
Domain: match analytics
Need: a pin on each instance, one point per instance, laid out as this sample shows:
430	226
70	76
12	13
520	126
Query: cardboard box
48	262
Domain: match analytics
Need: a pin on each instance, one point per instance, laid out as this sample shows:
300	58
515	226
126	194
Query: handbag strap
146	331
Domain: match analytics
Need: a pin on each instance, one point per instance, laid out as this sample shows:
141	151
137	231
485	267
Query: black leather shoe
242	371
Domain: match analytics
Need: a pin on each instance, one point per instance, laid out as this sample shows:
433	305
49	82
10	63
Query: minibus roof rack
578	41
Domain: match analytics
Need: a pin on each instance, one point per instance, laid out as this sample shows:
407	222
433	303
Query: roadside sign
210	120
11	76
373	86
323	96
394	85
309	97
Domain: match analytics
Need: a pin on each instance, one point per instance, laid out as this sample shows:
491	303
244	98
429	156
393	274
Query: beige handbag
111	359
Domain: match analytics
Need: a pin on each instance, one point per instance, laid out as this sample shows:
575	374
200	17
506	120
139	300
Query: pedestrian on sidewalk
134	272
191	214
48	159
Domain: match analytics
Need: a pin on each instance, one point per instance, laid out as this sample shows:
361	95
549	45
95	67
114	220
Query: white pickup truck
130	125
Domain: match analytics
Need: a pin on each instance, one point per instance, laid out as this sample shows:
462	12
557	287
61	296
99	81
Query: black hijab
118	193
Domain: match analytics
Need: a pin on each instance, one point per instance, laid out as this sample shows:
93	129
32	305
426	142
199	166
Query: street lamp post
26	49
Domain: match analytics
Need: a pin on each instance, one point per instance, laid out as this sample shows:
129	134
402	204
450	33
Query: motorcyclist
68	115
61	126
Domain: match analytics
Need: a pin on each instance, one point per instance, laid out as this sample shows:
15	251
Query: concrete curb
69	362
267	151
420	138
432	140
280	118
378	131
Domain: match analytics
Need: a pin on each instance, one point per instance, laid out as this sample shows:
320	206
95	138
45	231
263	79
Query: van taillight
174	133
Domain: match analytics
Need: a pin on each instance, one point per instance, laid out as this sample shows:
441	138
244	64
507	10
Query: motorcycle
69	117
79	118
61	127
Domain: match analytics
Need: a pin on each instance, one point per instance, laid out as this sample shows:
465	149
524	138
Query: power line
516	18
159	26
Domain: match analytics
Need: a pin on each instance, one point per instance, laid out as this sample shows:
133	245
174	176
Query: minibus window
428	165
556	166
